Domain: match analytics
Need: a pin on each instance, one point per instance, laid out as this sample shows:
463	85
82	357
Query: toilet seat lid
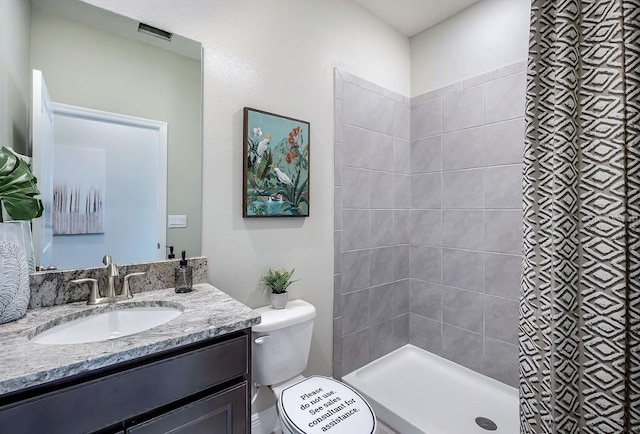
324	405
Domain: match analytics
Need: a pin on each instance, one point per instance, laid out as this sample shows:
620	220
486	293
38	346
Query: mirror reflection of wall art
78	190
276	165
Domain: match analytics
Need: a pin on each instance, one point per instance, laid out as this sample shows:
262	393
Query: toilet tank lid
295	312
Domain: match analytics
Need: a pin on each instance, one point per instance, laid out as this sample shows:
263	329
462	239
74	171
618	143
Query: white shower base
416	392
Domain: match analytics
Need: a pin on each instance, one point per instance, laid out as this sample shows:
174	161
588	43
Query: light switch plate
177	221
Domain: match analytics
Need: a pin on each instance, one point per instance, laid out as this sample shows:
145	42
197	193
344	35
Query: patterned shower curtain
580	306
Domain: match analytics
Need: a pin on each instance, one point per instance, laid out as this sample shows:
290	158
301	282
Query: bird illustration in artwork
282	177
262	146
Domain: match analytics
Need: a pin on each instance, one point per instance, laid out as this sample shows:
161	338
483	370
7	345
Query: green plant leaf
18	188
277	280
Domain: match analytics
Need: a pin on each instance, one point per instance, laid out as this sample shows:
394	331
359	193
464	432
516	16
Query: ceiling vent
154	31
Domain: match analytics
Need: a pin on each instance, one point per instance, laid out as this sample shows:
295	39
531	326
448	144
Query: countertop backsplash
50	288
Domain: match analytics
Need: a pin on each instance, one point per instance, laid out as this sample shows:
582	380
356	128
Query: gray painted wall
455	224
15	82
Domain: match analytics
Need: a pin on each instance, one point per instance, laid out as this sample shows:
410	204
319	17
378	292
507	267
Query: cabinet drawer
121	395
222	413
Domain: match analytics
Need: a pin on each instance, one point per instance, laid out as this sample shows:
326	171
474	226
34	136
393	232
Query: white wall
275	55
481	38
15	74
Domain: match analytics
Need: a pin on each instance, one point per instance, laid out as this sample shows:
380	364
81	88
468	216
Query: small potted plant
277	281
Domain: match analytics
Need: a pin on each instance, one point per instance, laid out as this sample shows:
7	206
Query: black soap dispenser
184	276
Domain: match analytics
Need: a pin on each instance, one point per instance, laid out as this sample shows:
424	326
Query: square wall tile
501	361
401	156
382	190
463	149
464	109
381	339
505	98
463	269
426	191
463	189
425	333
426	227
503	187
381	265
425	299
356	105
355	229
426	155
355	351
503	231
381	305
504	142
381	227
356	189
355	270
463	229
463	309
381	152
426	119
426	263
501	319
502	275
355	312
382	114
337	164
356	147
462	347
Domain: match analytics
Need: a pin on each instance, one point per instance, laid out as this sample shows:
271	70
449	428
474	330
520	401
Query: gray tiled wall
428	221
371	238
466	221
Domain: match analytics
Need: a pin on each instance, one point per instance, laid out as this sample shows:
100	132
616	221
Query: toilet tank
281	342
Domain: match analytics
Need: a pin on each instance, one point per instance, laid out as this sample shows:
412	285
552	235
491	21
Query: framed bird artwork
276	165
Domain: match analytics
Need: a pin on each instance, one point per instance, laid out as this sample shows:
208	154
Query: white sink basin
102	326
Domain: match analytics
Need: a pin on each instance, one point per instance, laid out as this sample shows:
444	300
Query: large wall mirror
96	60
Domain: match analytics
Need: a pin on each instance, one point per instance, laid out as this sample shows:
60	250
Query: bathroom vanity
189	375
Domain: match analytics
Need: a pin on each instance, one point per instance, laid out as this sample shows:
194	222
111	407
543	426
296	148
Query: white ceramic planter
279	301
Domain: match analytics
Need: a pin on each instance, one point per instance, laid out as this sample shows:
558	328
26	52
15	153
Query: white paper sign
324	405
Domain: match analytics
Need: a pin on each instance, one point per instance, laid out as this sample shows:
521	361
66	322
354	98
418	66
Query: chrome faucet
112	273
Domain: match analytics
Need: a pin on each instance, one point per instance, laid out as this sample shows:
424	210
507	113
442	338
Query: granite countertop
207	312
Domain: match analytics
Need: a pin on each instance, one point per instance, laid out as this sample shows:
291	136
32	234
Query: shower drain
487	424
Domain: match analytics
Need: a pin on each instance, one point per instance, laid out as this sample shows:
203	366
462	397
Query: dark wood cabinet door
221	413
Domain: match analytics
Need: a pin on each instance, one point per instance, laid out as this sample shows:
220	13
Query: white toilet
311	405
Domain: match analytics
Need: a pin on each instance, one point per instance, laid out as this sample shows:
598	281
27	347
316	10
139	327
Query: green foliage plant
277	280
18	188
